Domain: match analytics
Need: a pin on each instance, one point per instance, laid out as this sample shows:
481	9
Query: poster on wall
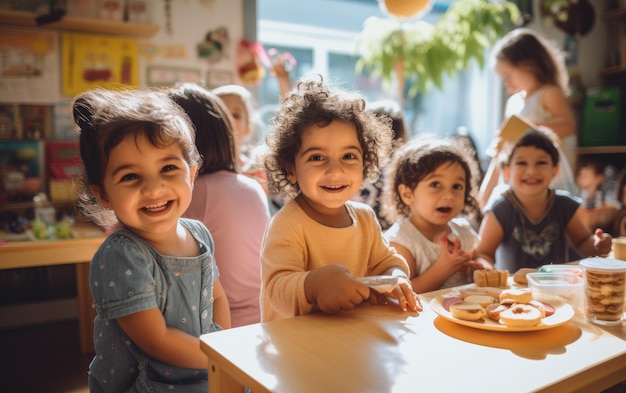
160	76
90	61
29	66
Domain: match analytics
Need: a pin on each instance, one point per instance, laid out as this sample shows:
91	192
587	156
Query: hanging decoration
214	45
406	9
249	64
253	58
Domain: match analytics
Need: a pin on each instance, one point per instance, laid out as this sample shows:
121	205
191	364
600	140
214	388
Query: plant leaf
430	52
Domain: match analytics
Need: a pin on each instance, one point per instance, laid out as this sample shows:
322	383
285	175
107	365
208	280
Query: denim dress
128	276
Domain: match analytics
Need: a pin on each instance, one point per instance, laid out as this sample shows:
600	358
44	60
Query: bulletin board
29	70
90	61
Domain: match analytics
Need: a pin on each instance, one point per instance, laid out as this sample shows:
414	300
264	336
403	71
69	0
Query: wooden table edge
606	375
227	378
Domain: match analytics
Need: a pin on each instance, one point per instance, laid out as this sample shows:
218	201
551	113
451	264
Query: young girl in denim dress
154	280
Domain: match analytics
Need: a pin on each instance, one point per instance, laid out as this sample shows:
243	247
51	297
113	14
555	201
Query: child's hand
279	69
476	263
402	292
473	264
333	288
451	254
408	299
602	242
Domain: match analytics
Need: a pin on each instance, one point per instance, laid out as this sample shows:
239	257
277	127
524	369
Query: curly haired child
428	184
323	144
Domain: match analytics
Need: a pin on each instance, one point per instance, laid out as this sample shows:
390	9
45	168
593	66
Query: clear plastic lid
605	264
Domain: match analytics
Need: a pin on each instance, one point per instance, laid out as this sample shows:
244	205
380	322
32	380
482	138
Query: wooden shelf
614	14
601	150
17	206
85	25
612	70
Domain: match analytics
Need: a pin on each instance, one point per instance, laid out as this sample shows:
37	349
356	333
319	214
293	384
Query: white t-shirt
426	252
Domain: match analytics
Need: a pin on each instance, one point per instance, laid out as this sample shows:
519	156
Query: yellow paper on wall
91	61
514	126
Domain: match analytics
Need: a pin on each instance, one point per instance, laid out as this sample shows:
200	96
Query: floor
43	359
51	362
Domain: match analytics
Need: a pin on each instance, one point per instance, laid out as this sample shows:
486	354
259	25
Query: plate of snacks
496	309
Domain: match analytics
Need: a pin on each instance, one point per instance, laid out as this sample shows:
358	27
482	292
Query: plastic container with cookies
605	284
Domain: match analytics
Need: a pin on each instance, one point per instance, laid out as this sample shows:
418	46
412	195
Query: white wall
192	19
190	22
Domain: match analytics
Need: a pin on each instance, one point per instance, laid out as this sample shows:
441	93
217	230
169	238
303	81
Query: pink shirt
235	210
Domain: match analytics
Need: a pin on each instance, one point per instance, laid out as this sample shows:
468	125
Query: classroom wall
47	294
191	21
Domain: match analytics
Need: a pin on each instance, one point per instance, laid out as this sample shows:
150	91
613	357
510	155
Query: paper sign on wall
29	70
91	61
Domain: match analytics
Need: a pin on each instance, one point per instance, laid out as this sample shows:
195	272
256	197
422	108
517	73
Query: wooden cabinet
84	25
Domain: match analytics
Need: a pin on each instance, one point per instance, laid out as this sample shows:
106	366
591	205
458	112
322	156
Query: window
323	42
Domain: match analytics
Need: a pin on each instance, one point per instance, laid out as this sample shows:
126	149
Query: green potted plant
422	53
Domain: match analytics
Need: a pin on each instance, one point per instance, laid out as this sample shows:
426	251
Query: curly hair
106	117
313	103
413	162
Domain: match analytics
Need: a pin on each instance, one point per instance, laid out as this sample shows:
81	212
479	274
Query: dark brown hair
414	161
214	136
539	139
107	117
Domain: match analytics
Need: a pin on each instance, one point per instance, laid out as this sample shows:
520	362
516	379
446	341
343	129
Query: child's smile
532	181
148	187
531	168
158	208
334	188
328	167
